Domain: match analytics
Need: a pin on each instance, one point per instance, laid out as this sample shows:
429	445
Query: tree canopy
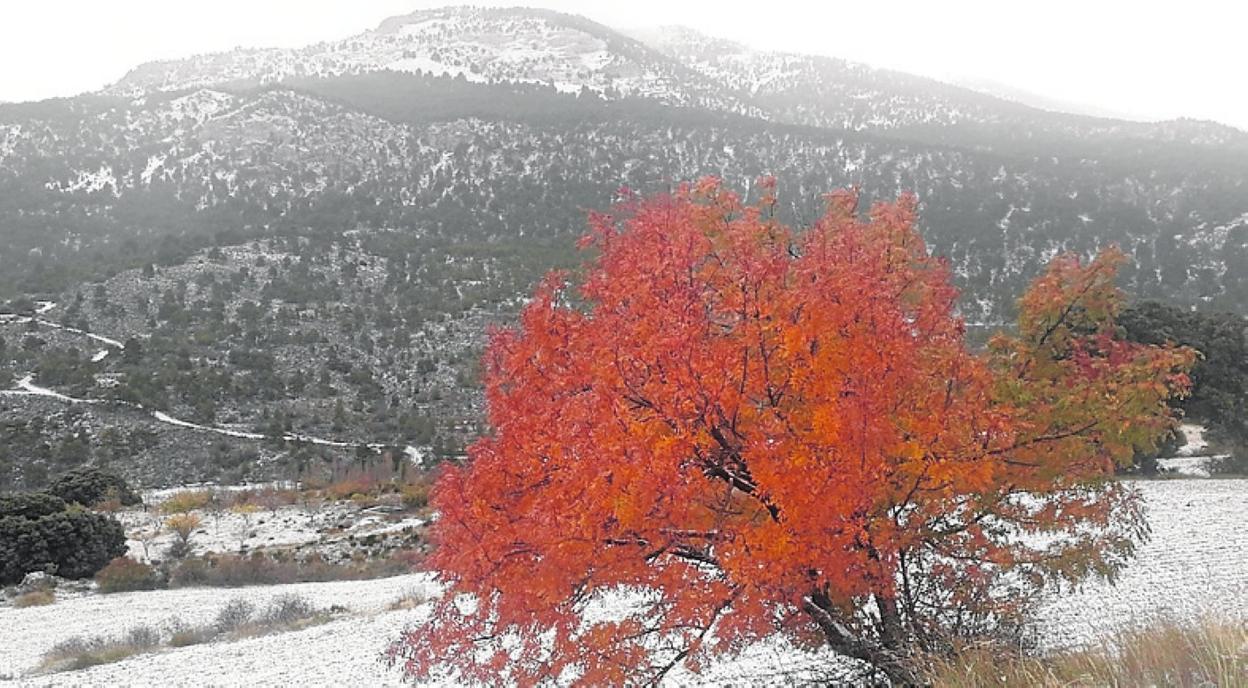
742	430
88	486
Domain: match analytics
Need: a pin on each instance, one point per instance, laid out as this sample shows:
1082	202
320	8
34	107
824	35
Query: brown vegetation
35	598
124	574
1208	653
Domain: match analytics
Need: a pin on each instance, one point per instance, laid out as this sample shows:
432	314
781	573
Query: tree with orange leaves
748	431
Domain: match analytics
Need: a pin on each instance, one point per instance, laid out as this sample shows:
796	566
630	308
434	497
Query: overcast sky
1143	59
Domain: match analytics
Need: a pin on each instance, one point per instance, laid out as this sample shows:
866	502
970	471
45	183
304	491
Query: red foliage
753	431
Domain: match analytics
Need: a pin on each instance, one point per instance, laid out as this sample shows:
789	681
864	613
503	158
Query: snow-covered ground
1193	458
347	651
1194	565
342	652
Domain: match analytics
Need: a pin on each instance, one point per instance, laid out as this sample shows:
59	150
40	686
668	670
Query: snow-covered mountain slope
349	143
226	142
480	45
672	65
820	91
828	92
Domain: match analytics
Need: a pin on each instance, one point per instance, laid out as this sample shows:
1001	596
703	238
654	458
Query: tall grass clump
1208	652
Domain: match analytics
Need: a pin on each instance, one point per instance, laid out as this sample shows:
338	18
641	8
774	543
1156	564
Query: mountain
1037	100
310	242
480	45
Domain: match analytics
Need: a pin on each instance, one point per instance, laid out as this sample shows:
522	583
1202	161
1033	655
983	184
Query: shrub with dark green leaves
40	532
1219	398
89	486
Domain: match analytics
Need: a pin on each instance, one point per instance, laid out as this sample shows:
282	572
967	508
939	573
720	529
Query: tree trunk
889	656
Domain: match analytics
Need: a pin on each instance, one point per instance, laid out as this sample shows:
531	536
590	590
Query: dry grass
184	502
1207	653
365	487
369	484
267	498
80	653
410	599
259	568
34	598
236	620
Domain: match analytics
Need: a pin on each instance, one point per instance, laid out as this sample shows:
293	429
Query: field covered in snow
345	651
1193	566
1196	564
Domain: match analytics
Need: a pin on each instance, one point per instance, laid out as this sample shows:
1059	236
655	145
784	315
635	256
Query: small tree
183	528
216	507
246	514
146	535
755	432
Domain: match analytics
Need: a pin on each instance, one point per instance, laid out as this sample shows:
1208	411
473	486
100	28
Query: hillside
311	241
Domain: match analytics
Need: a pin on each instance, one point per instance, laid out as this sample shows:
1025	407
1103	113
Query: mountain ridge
386	47
276	244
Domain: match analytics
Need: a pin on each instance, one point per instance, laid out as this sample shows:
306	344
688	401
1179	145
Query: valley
281	291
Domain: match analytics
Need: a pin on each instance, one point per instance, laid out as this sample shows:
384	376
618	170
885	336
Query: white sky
1145	59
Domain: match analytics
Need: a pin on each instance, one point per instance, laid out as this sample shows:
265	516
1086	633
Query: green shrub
38	532
30	505
124	574
89	486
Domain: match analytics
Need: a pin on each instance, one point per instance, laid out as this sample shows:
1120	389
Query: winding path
27	387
